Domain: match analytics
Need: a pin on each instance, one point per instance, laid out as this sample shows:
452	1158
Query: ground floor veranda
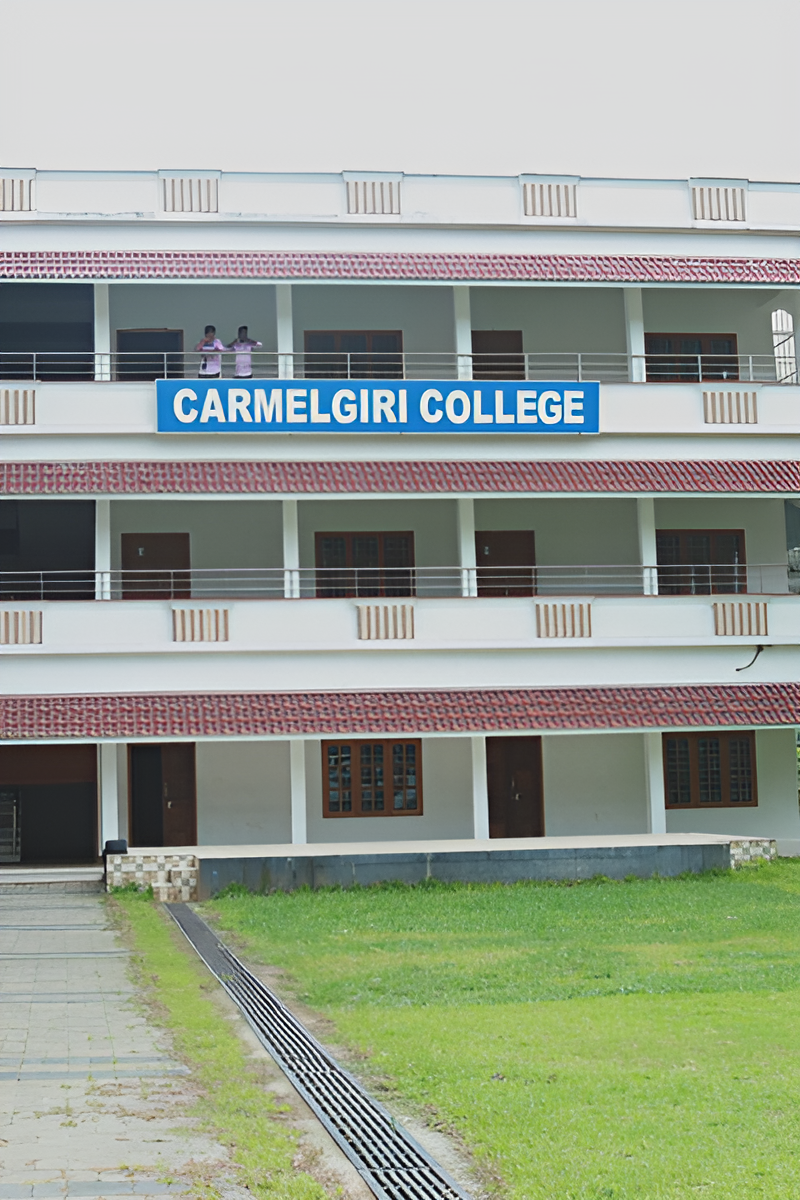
304	794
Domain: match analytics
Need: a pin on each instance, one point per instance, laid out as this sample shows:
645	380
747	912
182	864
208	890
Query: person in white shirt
243	345
210	364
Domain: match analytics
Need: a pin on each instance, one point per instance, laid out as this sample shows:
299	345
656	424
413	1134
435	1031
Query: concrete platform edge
480	866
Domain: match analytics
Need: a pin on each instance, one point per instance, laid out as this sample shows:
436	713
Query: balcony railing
143	366
270	583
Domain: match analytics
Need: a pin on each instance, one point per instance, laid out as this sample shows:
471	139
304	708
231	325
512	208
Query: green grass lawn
600	1040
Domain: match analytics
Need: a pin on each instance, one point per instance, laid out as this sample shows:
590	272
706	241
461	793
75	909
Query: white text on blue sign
374	406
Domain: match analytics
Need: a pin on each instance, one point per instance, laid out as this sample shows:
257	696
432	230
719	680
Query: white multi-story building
492	544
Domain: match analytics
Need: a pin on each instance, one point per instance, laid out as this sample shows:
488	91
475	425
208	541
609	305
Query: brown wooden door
506	559
516	795
156	566
179	794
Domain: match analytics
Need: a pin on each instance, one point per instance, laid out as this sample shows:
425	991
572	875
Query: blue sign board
375	406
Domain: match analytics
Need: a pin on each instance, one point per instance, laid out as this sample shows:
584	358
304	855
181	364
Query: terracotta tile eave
401	478
465	711
620	269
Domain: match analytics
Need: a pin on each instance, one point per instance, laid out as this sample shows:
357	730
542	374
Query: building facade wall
191	307
424	314
243	793
447	799
594	784
223	533
776	815
552	319
433	523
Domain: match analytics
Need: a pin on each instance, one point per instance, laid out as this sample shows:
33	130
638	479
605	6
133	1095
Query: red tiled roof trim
413	478
262	714
405	267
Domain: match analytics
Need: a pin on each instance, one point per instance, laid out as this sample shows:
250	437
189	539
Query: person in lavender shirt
244	346
210	364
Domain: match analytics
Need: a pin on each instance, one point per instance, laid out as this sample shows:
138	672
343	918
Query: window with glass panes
372	778
365	564
710	770
353	354
691	357
699	562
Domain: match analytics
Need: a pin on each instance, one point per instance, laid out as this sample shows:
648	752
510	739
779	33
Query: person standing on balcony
244	345
210	364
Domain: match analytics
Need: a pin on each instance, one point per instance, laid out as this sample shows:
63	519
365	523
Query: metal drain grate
392	1164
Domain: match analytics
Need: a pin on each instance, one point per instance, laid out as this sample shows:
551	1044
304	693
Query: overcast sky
586	87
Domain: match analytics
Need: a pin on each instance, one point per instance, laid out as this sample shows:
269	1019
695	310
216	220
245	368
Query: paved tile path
91	1104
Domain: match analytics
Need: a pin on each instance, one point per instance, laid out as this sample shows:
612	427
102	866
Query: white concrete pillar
109	793
102	549
634	334
102	332
646	521
466	545
297	751
480	789
291	550
654	779
283	305
463	323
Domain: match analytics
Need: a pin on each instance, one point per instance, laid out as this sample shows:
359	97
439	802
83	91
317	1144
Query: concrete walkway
91	1105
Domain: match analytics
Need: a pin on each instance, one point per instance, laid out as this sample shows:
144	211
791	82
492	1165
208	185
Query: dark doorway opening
163	794
497	354
156	566
516	792
47	549
147	354
49	795
47	331
506	562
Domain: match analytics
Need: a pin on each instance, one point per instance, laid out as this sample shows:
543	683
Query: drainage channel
389	1160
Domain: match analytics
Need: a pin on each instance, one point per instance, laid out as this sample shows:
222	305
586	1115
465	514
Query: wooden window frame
332	364
357	809
725	737
351	583
713	588
676	367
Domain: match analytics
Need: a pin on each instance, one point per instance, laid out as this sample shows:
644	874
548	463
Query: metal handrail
396	582
603	366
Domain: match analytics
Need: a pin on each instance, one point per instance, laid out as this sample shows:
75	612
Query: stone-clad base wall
753	850
176	877
173	877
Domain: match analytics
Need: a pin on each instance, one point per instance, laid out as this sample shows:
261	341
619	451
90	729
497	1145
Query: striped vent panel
550	199
718	203
185	195
564	620
17	406
740	618
16	195
368	196
20	628
385	622
730	408
200	624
